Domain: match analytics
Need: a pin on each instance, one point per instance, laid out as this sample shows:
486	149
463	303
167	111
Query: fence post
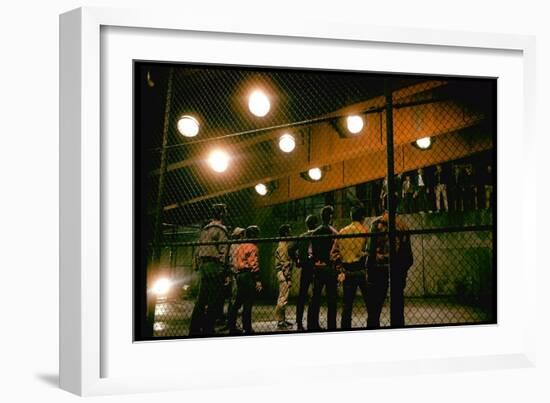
396	295
153	267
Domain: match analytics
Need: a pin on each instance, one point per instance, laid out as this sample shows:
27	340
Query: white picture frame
97	352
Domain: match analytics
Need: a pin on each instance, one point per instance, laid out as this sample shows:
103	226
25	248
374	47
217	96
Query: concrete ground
172	317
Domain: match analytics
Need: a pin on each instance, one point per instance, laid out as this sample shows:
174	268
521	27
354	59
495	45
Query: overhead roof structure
307	105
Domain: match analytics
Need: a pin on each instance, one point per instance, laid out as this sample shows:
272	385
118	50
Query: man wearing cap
283	265
246	263
302	254
348	255
211	260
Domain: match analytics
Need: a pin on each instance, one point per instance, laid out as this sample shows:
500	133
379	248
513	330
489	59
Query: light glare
261	189
218	160
424	142
188	126
355	124
315	174
287	143
258	103
162	286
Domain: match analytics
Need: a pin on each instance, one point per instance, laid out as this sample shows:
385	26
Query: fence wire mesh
408	239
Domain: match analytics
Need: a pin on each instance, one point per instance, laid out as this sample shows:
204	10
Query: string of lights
259	105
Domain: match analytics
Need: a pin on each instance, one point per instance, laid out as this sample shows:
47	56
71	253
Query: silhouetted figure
407	191
487	183
440	182
302	252
397	191
470	189
421	191
457	189
229	288
324	272
211	260
383	203
378	266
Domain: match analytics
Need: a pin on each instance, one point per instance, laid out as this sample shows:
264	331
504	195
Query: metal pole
396	293
153	267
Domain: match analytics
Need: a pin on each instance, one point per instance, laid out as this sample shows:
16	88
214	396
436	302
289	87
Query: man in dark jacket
378	266
325	275
302	253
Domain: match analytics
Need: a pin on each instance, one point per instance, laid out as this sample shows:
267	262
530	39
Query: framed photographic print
282	162
231	192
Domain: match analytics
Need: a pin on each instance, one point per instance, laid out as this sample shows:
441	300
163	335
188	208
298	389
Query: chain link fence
406	164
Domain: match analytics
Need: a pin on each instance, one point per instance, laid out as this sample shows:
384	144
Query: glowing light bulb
218	160
261	189
258	103
287	143
315	174
355	124
424	142
188	126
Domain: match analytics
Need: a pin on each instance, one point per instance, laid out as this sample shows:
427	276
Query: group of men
356	257
442	189
219	262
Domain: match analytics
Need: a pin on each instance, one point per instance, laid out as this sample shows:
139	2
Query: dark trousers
354	279
324	277
246	294
205	310
407	203
422	199
470	202
377	290
227	292
306	278
457	198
